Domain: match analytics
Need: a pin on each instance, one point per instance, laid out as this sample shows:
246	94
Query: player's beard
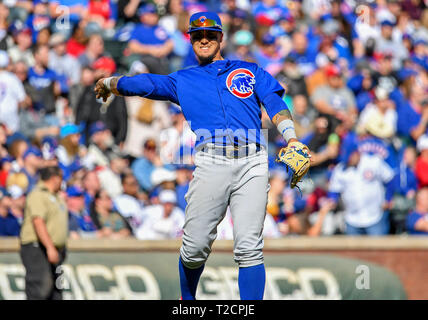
208	59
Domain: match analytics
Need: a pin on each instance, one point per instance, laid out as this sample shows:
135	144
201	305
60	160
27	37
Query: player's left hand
296	157
101	90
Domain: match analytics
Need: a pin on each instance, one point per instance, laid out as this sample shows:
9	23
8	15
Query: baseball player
221	100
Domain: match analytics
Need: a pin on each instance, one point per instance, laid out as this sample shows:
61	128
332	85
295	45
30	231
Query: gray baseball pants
218	182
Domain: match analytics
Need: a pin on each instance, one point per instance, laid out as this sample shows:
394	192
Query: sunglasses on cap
208	34
204	23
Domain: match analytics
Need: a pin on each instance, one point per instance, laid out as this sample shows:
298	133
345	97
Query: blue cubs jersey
40	81
150	35
221	100
385	150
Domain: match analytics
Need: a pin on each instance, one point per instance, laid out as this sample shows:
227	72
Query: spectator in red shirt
5	168
100	12
76	45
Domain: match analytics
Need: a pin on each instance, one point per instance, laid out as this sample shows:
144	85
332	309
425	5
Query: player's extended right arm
147	85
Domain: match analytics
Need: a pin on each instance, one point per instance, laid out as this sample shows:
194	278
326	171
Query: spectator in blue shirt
267	56
417	221
412	108
17	206
362	85
40	18
304	57
80	223
419	55
150	42
405	185
44	85
184	175
9	224
405	181
330	32
91	185
284	27
32	163
144	166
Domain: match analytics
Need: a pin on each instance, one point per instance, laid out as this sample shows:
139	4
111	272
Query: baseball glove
296	157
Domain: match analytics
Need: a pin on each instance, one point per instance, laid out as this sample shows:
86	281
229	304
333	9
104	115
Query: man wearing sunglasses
221	99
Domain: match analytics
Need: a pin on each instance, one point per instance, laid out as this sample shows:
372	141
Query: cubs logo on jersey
160	33
240	83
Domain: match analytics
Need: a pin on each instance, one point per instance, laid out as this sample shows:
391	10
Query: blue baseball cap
74	191
268	39
97	127
205	21
420	41
68	129
147	8
405	73
348	149
387	22
32	150
15	137
17	27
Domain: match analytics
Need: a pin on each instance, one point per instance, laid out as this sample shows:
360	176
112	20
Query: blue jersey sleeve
151	86
269	92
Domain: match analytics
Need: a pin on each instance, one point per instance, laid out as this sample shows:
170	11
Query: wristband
286	128
107	82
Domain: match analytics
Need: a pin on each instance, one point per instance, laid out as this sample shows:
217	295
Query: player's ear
221	37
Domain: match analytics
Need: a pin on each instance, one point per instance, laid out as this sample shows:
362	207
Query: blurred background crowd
355	74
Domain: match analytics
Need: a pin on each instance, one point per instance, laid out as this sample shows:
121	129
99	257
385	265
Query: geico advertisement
153	276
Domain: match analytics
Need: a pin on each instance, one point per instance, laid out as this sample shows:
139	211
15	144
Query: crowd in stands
355	74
